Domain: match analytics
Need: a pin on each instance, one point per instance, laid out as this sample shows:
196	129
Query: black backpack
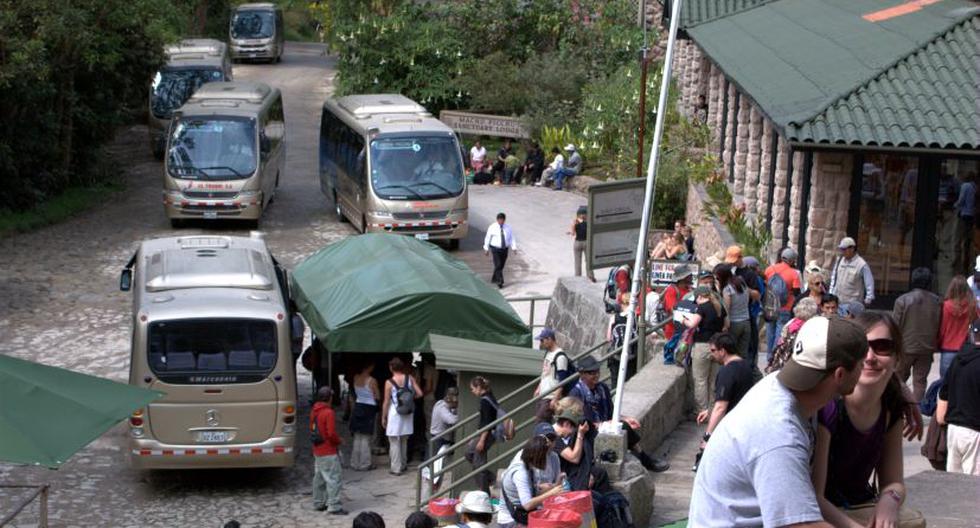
404	397
612	510
315	436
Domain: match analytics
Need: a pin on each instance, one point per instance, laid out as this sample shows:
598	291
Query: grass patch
61	207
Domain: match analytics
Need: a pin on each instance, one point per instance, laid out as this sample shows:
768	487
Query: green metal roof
694	12
824	73
454	353
928	99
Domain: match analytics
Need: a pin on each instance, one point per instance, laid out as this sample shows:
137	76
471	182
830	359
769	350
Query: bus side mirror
126	279
265	145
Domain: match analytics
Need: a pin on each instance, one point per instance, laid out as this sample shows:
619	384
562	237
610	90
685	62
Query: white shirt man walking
852	280
756	469
499	241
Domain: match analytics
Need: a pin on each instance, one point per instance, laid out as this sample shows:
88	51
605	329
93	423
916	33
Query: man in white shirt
499	241
555	367
756	469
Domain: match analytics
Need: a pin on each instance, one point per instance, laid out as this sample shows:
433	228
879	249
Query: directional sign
615	214
486	125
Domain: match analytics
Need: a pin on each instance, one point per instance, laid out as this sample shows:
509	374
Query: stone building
835	118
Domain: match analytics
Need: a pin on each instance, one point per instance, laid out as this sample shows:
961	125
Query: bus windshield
172	87
252	24
416	168
212	350
213	148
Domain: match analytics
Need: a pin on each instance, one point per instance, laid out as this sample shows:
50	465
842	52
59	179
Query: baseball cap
813	267
545	429
822	344
732	254
570	147
546	333
750	262
846	242
474	502
706	274
588	364
788	254
702	291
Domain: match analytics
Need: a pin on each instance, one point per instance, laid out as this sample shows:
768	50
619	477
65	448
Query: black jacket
961	390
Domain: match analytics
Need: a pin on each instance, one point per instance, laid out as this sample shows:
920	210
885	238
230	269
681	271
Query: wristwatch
708	435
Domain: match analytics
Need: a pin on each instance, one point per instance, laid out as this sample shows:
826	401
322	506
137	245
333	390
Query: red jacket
324	416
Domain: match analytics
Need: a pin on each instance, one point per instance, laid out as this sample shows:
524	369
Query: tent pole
641	245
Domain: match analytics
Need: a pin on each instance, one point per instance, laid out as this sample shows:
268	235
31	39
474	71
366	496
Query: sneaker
320	508
339	512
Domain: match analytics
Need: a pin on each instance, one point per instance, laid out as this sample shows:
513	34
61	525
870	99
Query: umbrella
49	413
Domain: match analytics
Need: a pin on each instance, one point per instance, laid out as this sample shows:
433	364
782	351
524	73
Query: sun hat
474	502
682	272
846	242
822	344
570	415
588	364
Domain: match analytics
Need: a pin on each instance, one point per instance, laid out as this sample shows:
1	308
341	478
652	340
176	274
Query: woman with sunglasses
816	287
860	435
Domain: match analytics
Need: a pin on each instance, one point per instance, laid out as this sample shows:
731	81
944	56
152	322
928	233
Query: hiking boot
657	465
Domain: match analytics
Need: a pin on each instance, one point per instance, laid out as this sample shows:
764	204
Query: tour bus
211	330
190	63
226	151
256	32
388	166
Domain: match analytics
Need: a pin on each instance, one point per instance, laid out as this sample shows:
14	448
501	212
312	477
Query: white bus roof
386	113
188	262
262	5
211	47
250	92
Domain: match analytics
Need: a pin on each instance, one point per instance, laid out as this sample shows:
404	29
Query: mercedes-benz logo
211	417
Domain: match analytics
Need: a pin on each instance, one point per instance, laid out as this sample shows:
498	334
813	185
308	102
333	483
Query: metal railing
531	299
428	463
41	491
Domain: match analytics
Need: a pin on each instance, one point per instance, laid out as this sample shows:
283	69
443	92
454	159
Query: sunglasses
882	347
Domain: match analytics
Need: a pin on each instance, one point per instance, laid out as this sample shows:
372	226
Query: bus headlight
288	429
247	198
136	432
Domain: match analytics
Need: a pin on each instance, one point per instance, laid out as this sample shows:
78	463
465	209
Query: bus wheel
453	244
337	211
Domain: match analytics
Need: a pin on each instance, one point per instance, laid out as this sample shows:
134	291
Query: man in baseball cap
759	455
851	279
555	367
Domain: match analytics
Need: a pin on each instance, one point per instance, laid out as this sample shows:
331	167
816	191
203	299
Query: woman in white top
549	171
398	427
366	397
478	153
517	487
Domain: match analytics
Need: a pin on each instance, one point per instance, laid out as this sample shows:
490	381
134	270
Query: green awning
386	293
453	353
49	413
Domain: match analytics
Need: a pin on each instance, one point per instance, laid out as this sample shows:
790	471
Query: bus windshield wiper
187	170
434	184
407	188
233	171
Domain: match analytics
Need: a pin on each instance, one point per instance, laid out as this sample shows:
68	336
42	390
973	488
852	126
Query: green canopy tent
386	293
49	413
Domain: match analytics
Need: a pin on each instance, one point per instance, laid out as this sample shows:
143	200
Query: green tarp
49	413
453	353
386	293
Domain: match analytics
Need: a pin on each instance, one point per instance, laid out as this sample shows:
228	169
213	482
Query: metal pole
641	346
641	244
644	63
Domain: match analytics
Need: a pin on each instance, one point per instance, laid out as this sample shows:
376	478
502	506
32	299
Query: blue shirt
966	203
597	402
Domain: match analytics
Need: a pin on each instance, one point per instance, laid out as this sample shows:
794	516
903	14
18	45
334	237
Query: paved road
60	305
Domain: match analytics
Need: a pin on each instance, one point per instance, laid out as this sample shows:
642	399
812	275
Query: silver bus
211	329
256	32
226	151
190	63
388	166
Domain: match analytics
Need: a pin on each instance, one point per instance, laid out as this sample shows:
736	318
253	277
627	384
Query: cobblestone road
60	305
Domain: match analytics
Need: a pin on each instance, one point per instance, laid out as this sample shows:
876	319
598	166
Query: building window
887	217
957	236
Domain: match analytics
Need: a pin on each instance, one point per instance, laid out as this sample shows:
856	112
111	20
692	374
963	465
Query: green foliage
58	208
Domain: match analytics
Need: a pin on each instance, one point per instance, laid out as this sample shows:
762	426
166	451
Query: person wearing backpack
326	462
555	367
518	489
478	448
783	284
397	415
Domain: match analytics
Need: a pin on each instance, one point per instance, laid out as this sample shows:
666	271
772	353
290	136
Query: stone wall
577	313
830	193
710	235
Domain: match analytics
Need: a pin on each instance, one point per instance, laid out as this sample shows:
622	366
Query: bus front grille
424	215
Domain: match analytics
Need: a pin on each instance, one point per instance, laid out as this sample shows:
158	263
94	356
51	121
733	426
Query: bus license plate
422	236
213	437
210	215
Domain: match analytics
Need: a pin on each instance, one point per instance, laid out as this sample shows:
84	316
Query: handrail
567	381
39	490
530	299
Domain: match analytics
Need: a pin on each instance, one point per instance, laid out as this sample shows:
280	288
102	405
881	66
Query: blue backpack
777	293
